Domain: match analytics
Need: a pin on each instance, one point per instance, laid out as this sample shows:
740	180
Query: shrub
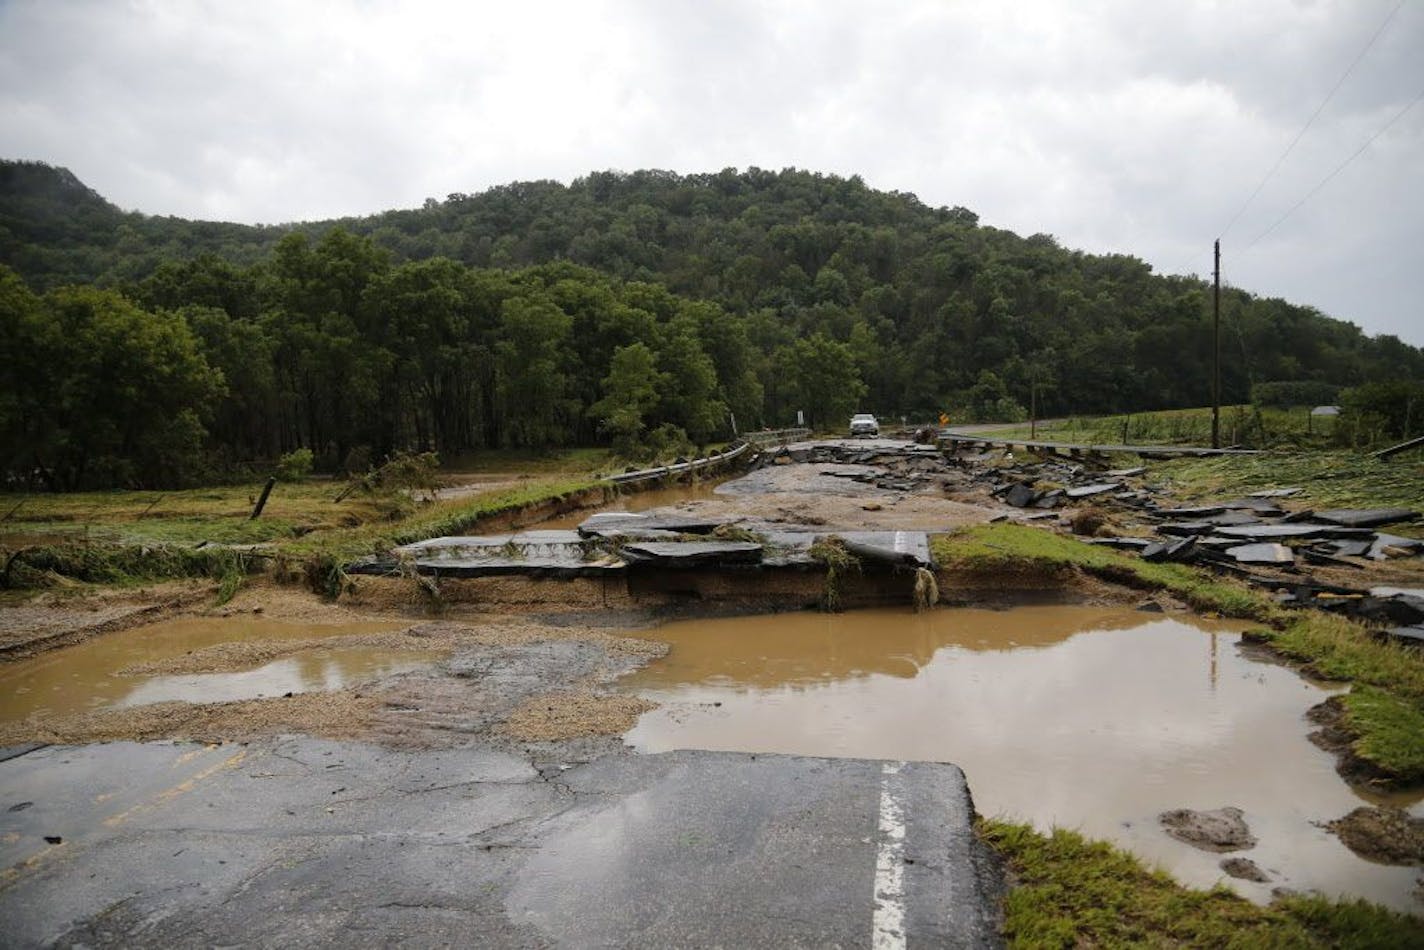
1286	394
295	466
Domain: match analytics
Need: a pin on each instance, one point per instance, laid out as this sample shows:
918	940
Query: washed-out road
305	842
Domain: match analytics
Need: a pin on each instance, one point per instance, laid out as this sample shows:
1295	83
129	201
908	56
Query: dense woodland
642	310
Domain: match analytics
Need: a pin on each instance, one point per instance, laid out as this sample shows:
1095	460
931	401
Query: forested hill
936	310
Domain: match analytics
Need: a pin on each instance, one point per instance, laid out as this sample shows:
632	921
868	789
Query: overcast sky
1136	127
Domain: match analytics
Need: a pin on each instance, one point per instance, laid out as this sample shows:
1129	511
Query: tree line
632	309
204	367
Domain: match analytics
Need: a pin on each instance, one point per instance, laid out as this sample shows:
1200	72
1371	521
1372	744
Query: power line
1313	116
1338	169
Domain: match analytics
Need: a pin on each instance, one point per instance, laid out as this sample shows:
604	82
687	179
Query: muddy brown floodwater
87	676
1096	719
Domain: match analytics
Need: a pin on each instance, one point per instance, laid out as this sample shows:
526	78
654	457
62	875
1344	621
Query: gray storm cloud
1116	126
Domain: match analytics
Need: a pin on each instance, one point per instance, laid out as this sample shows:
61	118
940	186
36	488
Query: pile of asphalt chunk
1245	537
620	542
1252	533
1255	531
1054	483
891	466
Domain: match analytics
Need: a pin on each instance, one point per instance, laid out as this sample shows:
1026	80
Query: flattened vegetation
1071	892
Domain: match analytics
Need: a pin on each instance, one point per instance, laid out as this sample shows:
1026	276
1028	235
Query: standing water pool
1095	719
94	675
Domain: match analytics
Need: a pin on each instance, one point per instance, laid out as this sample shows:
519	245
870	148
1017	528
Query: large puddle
1096	719
86	676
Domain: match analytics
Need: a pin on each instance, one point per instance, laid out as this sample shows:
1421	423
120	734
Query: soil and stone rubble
539	697
1257	538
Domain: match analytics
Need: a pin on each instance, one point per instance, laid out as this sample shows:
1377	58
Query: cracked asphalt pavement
298	841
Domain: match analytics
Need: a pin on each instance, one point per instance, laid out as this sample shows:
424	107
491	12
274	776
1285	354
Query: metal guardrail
681	468
776	436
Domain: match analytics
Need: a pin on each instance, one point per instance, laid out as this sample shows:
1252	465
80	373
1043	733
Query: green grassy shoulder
219	515
1390	732
996	547
1336	479
1239	425
1242	425
441	518
1385	709
1072	892
577	461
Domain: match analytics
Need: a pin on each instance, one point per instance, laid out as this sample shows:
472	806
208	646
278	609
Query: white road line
888	924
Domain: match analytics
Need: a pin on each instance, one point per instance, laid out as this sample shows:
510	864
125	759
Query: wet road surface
303	842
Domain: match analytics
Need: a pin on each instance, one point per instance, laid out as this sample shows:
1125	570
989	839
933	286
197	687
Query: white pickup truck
863	423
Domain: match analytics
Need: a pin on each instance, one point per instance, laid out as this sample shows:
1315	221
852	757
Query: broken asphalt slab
1263	553
682	554
306	842
528	553
1366	517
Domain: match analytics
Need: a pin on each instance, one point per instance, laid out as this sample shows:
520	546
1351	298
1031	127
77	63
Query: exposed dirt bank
1336	737
59	618
1387	835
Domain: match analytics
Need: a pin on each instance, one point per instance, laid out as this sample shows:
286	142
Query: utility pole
1216	346
1033	408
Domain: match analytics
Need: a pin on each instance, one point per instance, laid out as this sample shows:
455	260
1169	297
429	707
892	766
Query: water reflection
311	672
1091	718
85	676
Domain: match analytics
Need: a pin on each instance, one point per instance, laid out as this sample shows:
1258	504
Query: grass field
1334	479
1239	425
122	537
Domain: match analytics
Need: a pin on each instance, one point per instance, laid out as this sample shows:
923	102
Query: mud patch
1223	829
49	621
440	636
246	655
431	684
1383	834
1244	869
575	715
336	715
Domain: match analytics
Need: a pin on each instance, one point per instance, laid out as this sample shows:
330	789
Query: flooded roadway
88	676
1096	719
